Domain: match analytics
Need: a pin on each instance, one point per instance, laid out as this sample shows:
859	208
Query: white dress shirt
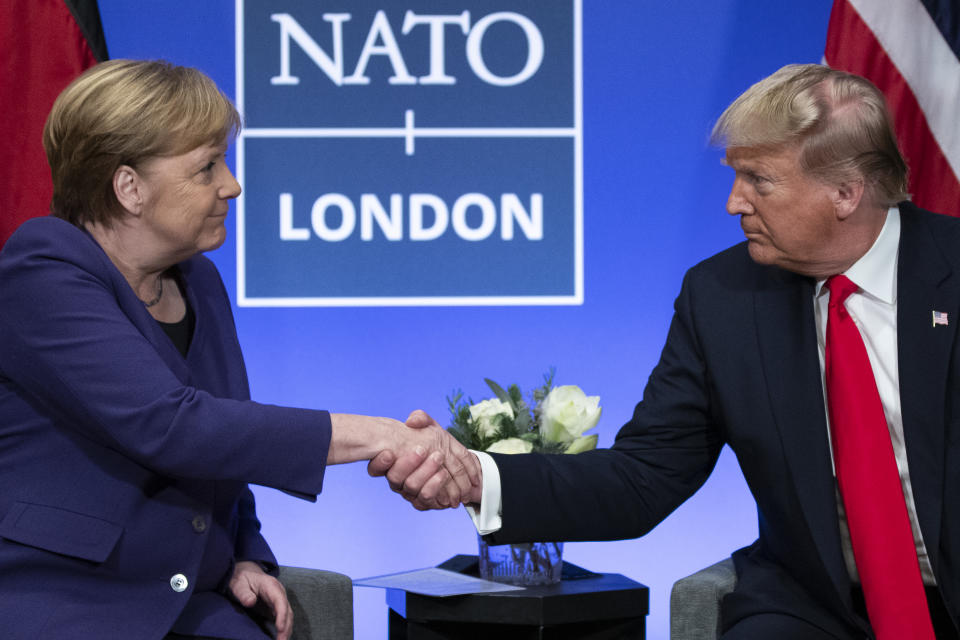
874	310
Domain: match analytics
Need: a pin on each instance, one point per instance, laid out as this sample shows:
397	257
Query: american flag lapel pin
940	317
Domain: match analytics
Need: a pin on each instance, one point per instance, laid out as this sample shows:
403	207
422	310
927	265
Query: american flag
940	317
910	49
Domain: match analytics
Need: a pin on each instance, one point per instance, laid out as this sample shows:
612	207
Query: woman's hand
451	472
250	584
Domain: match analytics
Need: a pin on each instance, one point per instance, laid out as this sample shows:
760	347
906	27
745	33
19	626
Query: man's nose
738	203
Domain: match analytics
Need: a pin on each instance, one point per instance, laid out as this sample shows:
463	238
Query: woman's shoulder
51	238
200	269
201	274
49	266
43	227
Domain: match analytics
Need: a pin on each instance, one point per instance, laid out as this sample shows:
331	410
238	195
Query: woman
127	436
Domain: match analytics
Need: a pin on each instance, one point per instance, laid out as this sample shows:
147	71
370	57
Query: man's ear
128	189
847	197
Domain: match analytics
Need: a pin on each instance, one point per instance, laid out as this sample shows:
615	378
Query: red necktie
883	545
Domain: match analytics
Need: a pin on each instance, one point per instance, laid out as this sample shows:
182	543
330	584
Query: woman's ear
128	189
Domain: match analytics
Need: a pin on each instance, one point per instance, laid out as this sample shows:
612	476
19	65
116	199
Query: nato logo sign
409	153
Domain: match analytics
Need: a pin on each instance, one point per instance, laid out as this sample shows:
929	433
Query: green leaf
523	420
542	392
498	391
509	428
547	446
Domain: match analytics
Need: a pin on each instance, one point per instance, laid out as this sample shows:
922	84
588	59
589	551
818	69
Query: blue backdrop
655	76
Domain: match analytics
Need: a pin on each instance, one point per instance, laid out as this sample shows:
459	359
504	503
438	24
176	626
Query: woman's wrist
357	437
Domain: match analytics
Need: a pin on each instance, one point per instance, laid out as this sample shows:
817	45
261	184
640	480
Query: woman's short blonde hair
122	112
839	120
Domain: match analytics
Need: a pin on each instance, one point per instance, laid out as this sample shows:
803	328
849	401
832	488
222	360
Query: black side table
596	606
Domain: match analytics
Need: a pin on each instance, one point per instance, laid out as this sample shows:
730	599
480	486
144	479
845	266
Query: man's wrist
486	516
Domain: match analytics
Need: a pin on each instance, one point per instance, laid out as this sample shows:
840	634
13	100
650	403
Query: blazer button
199	524
179	583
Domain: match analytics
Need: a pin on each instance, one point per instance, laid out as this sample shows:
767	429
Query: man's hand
250	585
358	437
445	477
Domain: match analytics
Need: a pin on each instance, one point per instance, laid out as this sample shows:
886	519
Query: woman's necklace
159	293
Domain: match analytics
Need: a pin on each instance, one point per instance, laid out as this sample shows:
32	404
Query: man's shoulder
732	277
924	232
732	266
735	258
913	216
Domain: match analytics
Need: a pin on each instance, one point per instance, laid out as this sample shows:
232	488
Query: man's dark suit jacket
740	367
122	463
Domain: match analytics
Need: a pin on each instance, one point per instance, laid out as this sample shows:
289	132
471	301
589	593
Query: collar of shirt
876	271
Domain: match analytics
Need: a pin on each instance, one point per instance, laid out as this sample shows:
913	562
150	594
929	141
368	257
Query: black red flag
44	44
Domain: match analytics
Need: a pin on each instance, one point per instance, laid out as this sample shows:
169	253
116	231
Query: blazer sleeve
250	544
659	459
70	347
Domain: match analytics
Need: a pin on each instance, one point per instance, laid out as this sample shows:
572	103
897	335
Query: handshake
421	461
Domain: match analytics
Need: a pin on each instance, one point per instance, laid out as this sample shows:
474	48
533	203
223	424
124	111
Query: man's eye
210	166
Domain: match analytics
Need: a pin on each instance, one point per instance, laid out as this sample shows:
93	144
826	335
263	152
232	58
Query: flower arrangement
506	423
554	421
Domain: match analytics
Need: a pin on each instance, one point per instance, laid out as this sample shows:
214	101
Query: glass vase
525	564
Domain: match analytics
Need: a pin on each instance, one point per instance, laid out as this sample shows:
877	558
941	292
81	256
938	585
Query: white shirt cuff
488	519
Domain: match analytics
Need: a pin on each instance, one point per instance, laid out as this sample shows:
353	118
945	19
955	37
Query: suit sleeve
71	349
659	459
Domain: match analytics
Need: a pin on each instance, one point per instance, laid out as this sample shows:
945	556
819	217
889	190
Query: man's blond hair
840	122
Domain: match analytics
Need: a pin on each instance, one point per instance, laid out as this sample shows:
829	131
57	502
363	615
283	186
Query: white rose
511	445
486	413
567	412
583	443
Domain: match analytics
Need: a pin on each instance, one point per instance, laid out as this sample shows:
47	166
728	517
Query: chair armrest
322	603
695	602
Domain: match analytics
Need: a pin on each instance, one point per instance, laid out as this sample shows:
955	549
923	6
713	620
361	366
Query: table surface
589	597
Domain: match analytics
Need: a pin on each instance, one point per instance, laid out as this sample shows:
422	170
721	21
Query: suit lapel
788	349
151	330
133	308
925	284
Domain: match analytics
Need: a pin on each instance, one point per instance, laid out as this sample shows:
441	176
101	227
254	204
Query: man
763	355
759	357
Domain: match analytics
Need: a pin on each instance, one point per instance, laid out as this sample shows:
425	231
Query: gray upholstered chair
322	603
695	602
